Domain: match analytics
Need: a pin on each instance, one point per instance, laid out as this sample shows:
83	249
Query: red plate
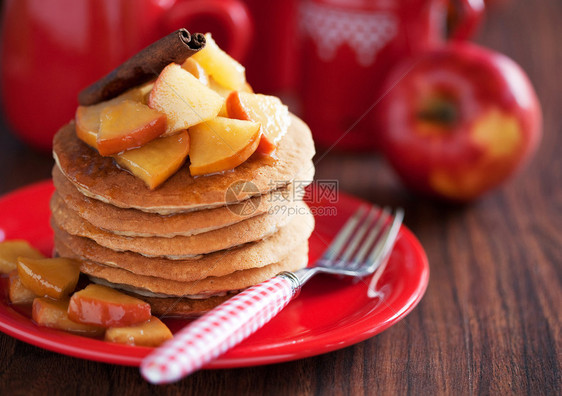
329	314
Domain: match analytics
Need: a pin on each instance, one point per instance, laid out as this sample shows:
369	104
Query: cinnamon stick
143	66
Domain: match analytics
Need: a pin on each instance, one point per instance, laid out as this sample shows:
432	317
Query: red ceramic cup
272	63
51	49
348	48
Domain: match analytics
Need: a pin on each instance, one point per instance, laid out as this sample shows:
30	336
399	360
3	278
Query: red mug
348	48
272	63
51	49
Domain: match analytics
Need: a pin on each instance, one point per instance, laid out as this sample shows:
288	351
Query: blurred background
342	65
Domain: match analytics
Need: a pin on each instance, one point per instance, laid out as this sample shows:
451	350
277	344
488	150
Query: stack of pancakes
194	241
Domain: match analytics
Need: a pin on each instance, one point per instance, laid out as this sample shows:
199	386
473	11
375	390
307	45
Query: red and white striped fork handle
219	330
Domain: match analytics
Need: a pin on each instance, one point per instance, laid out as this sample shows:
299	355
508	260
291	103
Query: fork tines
362	242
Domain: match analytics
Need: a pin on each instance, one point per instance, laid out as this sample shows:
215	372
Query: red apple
496	3
459	121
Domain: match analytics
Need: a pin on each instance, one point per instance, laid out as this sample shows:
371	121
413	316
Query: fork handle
219	330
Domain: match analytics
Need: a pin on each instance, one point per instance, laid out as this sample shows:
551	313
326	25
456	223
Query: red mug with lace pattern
348	48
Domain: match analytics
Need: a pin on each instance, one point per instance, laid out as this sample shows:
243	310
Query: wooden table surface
490	319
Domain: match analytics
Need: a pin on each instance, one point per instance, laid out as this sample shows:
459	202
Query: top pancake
98	177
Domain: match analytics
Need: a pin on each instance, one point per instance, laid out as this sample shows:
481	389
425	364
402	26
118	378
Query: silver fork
345	257
361	246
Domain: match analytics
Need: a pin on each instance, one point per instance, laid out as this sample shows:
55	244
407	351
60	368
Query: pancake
181	306
297	258
175	306
251	255
132	222
98	177
179	247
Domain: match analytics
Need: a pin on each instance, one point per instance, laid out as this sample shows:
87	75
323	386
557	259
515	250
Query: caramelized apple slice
151	333
221	144
222	91
18	293
88	117
126	125
54	314
11	250
87	124
223	112
156	161
184	100
192	66
103	306
215	86
55	278
143	92
267	110
247	88
224	69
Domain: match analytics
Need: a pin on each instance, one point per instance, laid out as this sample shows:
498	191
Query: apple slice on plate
224	69
88	117
151	333
222	144
183	98
17	292
103	306
11	250
54	314
51	277
157	160
267	110
126	125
